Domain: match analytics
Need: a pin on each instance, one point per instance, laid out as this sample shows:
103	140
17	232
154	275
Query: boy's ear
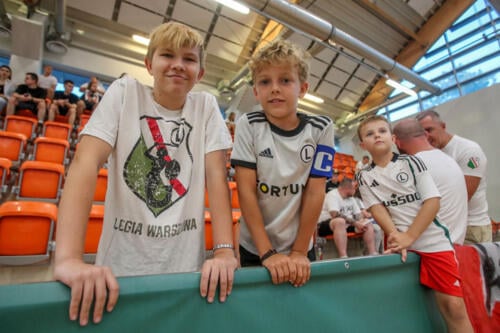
147	63
304	87
362	145
200	74
396	141
255	92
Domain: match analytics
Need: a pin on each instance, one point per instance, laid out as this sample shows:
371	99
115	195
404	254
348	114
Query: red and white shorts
439	271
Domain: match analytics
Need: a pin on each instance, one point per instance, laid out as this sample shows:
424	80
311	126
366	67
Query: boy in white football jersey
162	143
403	199
282	159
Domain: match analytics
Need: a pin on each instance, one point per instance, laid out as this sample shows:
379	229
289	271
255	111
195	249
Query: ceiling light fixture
314	99
234	5
140	39
400	87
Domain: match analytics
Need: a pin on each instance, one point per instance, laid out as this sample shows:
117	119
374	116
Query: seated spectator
5	85
29	96
64	103
340	215
364	163
333	182
48	81
100	88
379	234
89	100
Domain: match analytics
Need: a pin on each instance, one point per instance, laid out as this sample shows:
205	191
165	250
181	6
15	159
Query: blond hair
175	35
372	119
281	52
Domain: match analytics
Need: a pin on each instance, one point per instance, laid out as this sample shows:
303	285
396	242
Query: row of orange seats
344	164
27	232
43	181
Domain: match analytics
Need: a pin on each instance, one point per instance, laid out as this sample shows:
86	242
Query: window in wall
76	78
408	111
463	60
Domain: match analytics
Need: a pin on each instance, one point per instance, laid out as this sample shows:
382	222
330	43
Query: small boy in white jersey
282	160
403	199
164	145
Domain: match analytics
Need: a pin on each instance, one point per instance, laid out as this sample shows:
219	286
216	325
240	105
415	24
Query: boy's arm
312	202
278	265
383	218
221	268
247	194
424	218
88	283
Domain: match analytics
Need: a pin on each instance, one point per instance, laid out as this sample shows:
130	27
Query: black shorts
63	110
324	228
26	106
89	105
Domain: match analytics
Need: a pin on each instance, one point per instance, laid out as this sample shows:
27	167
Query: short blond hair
280	52
372	119
175	35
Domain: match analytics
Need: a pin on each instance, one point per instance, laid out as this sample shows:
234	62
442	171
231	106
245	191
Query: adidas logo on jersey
374	183
266	153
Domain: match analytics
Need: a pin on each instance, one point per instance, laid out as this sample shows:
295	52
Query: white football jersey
402	186
284	161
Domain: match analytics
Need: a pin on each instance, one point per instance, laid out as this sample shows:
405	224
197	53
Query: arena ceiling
346	74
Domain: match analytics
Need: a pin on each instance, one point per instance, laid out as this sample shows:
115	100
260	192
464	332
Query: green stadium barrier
375	294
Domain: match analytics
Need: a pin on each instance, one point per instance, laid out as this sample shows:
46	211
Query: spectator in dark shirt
64	103
29	96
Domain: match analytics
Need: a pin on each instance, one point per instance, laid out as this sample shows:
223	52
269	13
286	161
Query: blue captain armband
322	164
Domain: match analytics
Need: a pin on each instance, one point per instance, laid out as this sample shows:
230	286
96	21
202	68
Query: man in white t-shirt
48	81
365	162
472	160
341	214
447	175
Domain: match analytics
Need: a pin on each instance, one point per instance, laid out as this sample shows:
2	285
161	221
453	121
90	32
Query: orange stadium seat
5	165
12	146
26	229
25	113
22	125
93	235
235	202
59	118
53	150
57	130
39	181
101	185
84	119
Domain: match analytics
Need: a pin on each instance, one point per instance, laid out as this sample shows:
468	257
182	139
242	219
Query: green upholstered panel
377	294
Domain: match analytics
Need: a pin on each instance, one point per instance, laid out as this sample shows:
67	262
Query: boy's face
175	72
278	88
376	137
